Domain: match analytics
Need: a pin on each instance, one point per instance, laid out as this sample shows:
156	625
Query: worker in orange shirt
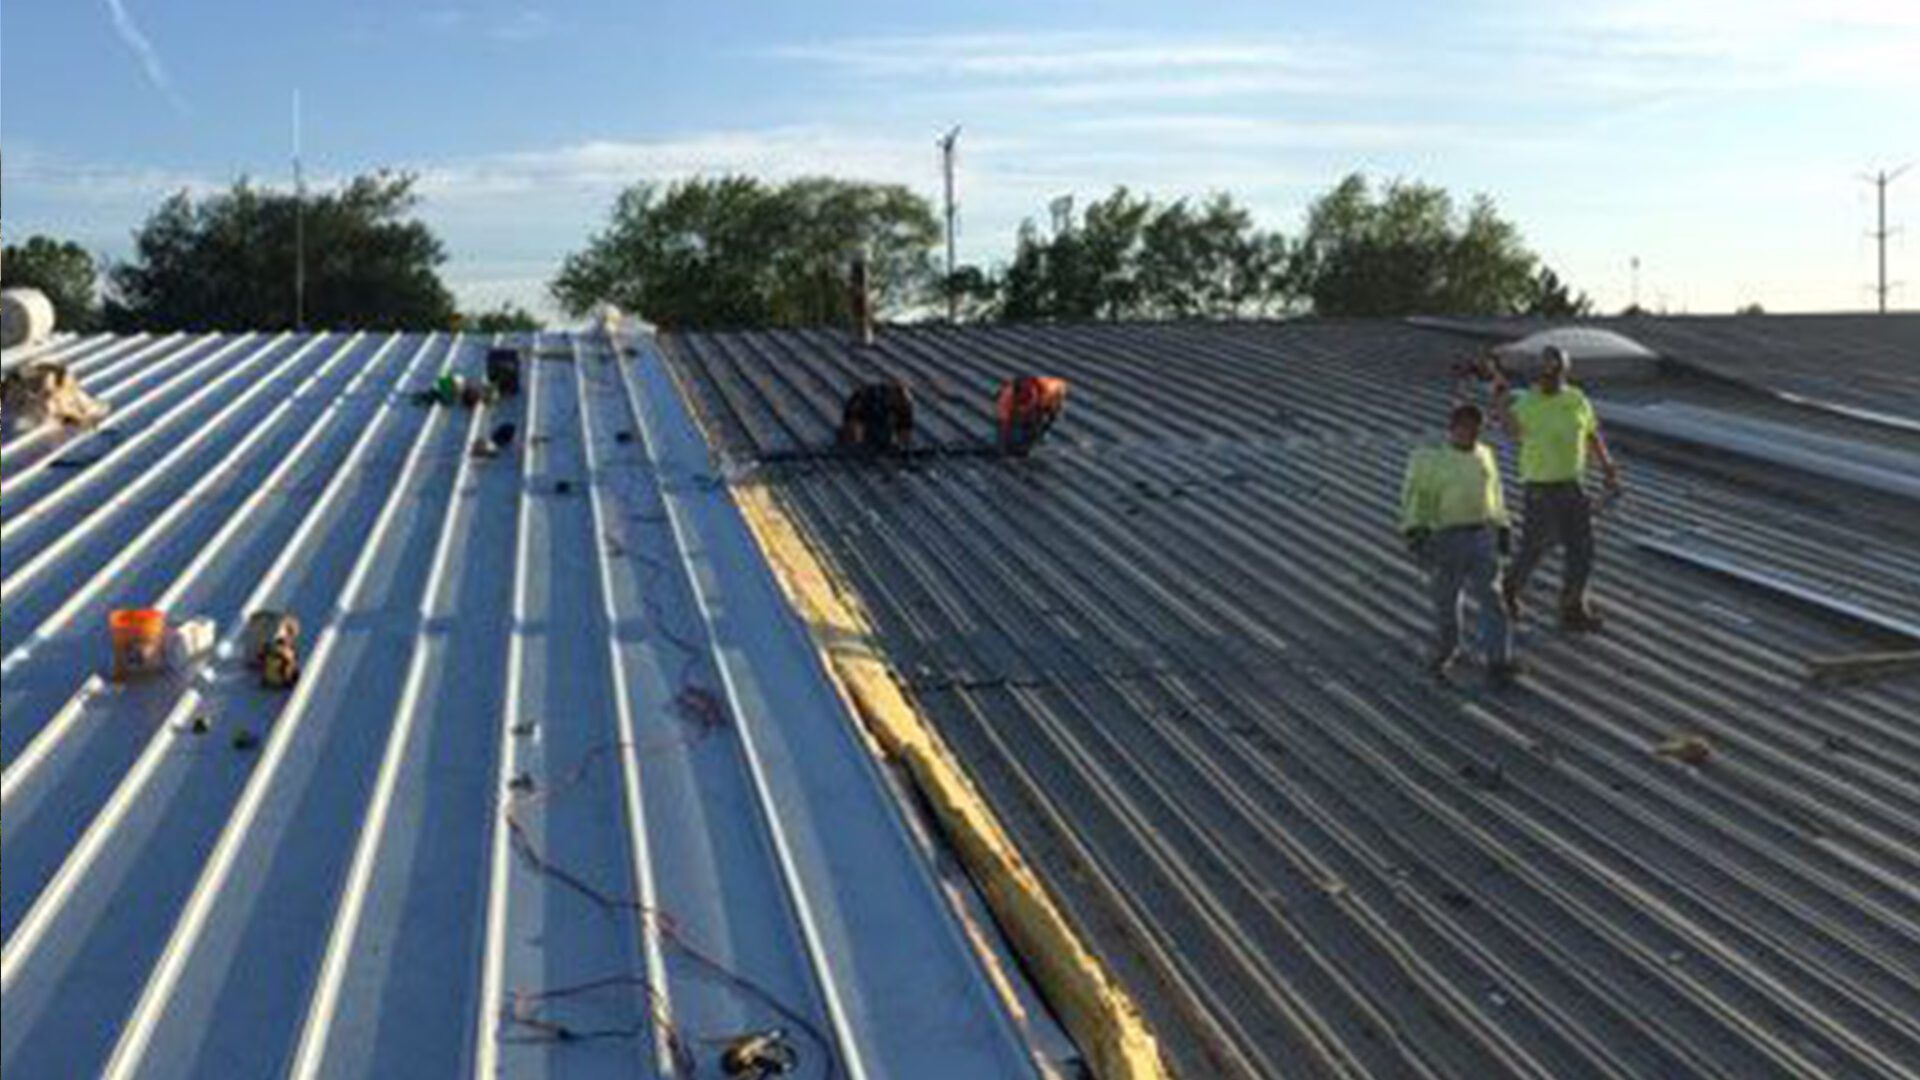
1028	406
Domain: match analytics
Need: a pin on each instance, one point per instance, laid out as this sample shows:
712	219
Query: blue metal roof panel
560	757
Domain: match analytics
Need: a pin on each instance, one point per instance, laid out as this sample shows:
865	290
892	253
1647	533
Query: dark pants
1466	563
1556	514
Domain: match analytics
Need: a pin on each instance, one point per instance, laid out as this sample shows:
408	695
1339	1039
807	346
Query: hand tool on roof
1028	407
759	1055
272	647
878	419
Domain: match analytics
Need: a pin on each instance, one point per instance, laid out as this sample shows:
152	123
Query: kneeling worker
1454	516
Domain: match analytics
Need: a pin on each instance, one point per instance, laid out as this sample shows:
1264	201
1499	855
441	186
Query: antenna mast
1880	181
947	143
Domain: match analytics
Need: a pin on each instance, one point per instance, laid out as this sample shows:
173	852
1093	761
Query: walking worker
1556	428
1454	517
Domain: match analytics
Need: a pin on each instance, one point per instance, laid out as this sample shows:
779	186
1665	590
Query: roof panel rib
1178	648
563	789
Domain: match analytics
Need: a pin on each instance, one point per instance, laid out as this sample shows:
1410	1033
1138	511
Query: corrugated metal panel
1179	650
559	755
1866	366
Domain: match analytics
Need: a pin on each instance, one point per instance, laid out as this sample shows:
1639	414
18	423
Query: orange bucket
139	641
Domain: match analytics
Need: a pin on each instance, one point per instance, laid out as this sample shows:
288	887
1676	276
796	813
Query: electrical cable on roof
660	920
704	712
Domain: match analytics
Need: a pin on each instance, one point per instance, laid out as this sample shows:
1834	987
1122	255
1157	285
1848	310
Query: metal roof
1866	366
560	757
1178	649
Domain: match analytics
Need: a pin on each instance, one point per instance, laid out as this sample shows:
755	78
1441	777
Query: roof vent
1596	353
26	318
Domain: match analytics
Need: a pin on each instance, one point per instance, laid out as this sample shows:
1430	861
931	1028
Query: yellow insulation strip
1096	1011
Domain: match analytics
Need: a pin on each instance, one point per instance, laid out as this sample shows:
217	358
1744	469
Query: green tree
1210	262
1753	308
734	252
1554	300
508	318
63	271
977	293
1408	252
229	261
1130	257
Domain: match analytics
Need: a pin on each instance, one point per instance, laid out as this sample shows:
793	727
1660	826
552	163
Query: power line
1880	181
947	143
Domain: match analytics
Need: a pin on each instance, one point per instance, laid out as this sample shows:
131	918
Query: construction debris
1855	667
43	393
1692	750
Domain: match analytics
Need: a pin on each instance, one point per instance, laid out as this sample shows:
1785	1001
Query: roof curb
1101	1016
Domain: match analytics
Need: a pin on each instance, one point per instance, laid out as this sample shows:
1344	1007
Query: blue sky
1717	140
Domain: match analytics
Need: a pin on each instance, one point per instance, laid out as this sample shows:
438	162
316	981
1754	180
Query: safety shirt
1554	429
1448	487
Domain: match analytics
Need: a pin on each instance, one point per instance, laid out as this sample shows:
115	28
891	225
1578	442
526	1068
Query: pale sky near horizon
1720	141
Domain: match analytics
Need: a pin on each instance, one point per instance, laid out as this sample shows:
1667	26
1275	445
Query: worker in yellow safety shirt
1454	517
1556	428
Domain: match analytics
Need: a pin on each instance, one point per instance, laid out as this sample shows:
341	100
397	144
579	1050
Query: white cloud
1659	47
143	50
1052	55
521	25
1258	133
604	166
527	25
1082	68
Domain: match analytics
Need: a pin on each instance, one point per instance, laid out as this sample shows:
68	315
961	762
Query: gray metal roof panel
1179	650
1866	363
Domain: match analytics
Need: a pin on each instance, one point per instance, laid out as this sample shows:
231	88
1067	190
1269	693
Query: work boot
1581	620
1510	598
1502	673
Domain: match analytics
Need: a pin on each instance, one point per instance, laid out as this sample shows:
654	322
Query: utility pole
1636	284
299	226
1880	181
947	143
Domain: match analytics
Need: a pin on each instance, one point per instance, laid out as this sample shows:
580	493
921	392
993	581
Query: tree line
737	251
